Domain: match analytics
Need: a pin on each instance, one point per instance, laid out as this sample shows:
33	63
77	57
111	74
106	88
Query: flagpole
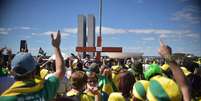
99	38
100	15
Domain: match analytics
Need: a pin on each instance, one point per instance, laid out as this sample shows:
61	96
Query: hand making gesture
56	39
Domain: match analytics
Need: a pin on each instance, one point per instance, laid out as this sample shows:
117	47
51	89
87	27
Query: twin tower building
86	33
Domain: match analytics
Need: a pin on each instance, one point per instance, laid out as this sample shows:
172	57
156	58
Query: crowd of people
24	77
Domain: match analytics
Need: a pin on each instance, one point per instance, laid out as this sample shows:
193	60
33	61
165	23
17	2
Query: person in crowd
194	80
5	78
128	63
78	82
138	70
161	87
115	74
104	84
116	96
105	71
28	86
166	70
92	87
125	86
140	90
146	64
190	65
166	52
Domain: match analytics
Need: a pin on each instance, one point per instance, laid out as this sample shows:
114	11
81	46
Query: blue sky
135	25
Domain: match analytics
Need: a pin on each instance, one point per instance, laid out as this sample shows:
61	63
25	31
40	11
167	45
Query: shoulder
116	96
86	97
51	78
8	98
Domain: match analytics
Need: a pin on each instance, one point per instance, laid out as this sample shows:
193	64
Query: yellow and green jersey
22	91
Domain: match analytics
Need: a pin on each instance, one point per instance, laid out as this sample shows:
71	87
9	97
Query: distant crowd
24	77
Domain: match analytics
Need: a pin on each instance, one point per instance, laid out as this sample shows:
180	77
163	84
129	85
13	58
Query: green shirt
46	94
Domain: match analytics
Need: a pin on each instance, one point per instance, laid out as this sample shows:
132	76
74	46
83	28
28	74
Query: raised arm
60	70
166	52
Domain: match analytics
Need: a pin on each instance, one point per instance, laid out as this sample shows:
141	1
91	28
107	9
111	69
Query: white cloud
133	49
4	31
189	14
25	28
43	33
151	31
193	35
148	39
63	34
109	30
70	30
33	49
105	30
162	33
27	37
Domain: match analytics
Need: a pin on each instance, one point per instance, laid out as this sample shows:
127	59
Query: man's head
126	81
94	67
78	80
92	79
23	64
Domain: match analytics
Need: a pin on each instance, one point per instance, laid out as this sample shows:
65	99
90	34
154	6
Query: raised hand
56	39
164	50
60	70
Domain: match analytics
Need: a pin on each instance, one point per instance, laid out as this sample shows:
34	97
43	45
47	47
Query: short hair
126	83
78	79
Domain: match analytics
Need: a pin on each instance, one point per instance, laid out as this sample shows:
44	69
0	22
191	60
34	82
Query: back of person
163	89
79	96
28	85
78	81
117	96
20	91
140	90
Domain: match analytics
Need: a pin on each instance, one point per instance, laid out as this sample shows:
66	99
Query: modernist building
83	39
91	33
81	36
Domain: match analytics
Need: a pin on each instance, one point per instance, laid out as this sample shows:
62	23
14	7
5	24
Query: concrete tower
81	41
91	33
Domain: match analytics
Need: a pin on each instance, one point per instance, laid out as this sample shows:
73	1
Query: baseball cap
23	63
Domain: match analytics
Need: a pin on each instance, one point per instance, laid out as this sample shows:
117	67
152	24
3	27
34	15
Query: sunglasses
92	81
